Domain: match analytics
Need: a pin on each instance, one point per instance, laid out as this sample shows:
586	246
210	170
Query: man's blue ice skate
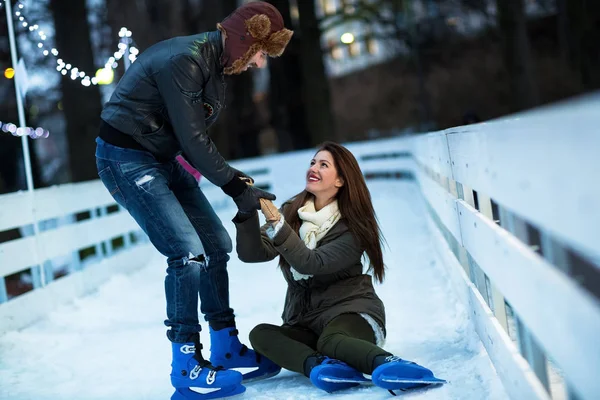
227	351
197	379
398	374
333	375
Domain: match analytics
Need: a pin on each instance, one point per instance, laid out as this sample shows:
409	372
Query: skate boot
394	373
332	375
227	351
194	378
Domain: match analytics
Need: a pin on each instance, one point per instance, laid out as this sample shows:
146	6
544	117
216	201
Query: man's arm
181	83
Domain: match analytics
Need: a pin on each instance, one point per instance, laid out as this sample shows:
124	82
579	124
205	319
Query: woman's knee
260	336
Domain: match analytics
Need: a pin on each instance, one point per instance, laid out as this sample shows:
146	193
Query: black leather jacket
168	98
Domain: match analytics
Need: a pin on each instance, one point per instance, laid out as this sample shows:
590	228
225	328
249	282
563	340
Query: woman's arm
252	243
339	254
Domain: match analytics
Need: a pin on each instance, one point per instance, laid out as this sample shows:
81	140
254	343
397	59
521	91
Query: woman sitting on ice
333	320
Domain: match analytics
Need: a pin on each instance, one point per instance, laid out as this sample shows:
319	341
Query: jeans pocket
110	183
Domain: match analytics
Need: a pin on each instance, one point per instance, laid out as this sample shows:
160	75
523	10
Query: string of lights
34	133
103	75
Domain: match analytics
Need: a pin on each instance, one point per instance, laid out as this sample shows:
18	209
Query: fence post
3	294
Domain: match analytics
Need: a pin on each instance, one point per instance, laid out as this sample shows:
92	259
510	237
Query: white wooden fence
514	211
82	233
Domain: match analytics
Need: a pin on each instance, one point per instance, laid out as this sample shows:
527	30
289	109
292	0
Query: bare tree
316	94
82	105
517	53
285	94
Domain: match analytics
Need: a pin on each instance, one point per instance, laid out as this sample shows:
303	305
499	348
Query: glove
269	210
239	174
249	200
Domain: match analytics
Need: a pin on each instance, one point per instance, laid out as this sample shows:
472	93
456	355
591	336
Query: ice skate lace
244	348
207	364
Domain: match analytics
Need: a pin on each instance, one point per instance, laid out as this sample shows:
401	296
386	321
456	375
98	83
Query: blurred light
9	73
105	76
134	51
46	52
452	21
60	106
34	110
64	72
347	38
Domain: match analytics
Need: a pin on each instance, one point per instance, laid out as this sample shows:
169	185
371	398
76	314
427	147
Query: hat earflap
259	26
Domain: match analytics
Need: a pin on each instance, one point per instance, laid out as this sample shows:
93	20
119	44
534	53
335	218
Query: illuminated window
353	49
328	6
294	12
337	53
372	46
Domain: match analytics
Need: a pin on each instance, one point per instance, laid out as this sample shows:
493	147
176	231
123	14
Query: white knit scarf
315	225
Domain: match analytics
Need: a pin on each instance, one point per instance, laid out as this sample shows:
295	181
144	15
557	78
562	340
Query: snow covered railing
284	174
515	212
59	243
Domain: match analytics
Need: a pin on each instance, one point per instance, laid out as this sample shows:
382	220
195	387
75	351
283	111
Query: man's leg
226	349
214	279
141	185
143	189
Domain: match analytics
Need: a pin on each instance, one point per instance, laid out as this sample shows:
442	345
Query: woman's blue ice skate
333	375
227	351
197	379
398	374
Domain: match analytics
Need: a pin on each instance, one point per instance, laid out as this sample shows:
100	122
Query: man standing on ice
162	107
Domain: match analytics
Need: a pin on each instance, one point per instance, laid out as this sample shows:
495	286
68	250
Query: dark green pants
347	338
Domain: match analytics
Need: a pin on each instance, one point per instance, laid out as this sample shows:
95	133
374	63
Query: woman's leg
286	346
350	338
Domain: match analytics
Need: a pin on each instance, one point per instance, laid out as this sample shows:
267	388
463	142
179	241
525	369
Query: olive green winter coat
338	285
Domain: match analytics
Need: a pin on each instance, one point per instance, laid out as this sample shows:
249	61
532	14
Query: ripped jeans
168	205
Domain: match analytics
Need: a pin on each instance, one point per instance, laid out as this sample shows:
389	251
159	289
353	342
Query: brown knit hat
252	27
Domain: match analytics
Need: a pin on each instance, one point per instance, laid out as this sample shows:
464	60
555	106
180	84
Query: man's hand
249	199
243	176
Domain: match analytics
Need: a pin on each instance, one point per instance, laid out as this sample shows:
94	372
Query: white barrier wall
513	209
82	233
515	212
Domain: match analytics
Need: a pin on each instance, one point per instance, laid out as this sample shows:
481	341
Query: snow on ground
112	345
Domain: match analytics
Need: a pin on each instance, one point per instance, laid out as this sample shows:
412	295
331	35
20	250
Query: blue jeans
168	205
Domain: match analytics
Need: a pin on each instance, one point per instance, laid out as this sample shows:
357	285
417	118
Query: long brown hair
355	205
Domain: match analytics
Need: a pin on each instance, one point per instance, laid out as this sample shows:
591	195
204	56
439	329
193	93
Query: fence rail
83	238
515	204
513	207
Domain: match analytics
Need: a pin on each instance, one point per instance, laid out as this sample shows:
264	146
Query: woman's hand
267	207
269	210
